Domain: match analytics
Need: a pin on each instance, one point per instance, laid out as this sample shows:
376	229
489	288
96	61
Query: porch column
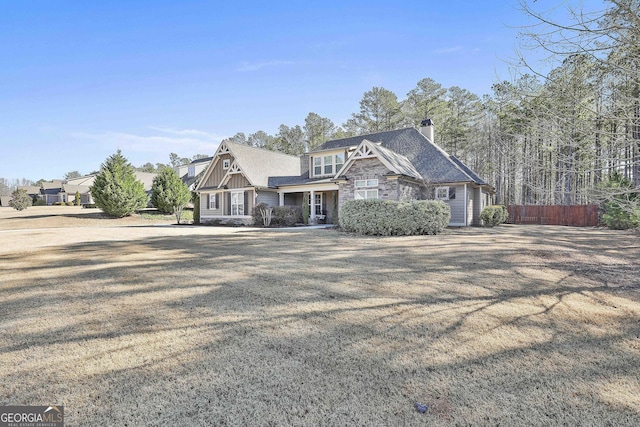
312	207
281	198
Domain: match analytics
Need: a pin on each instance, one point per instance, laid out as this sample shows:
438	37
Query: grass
153	214
231	326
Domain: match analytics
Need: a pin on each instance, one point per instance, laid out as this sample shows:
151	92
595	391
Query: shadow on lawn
327	328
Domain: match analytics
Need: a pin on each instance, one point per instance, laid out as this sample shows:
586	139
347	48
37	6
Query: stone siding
389	188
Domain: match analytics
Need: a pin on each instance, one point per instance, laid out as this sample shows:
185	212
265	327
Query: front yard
127	322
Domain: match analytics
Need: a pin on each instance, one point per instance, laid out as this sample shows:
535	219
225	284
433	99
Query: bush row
64	204
494	215
391	218
281	216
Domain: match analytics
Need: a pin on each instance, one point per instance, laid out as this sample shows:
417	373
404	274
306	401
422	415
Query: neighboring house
402	164
4	200
69	191
51	191
32	191
84	183
189	172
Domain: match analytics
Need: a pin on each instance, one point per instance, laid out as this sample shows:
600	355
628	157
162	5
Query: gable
394	163
432	163
247	166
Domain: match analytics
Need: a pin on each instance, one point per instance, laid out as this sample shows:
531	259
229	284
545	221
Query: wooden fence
574	215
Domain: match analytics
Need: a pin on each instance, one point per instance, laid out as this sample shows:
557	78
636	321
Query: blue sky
81	79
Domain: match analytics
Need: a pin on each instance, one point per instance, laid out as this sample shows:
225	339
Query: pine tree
169	194
116	190
20	200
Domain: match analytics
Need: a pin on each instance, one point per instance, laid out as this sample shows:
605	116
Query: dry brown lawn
136	322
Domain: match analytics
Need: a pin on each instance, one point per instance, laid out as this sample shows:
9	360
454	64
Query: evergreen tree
169	194
20	200
116	190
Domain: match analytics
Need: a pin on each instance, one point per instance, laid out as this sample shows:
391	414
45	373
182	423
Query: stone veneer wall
389	188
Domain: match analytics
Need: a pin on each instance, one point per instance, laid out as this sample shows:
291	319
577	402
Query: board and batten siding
224	203
217	173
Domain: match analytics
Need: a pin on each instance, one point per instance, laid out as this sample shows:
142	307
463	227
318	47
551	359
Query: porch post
281	198
312	207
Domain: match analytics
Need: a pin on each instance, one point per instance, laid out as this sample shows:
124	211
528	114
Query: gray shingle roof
399	163
430	161
258	164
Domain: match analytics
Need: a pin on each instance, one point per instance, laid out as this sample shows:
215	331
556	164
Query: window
360	183
362	192
192	171
327	165
226	163
366	194
445	193
237	203
213	201
318	203
317	165
339	162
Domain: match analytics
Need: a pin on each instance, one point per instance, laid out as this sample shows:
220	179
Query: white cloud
254	66
156	147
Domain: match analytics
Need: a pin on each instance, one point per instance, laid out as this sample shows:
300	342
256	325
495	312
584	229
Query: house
51	191
189	172
238	178
83	185
401	164
32	190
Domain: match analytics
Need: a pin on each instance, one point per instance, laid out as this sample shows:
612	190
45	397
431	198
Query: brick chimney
426	129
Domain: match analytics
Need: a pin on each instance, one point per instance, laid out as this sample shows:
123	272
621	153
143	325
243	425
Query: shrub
196	207
281	216
116	190
40	202
256	214
306	209
78	199
494	215
169	194
391	218
286	216
89	206
20	200
620	202
621	216
70	203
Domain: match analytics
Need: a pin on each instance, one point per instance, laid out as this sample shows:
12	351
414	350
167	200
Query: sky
81	79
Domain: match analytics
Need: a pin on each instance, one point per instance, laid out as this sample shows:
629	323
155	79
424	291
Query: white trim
443	188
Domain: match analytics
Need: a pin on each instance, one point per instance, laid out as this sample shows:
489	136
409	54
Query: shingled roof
258	164
433	163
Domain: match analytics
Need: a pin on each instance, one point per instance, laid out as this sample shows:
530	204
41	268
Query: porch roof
281	181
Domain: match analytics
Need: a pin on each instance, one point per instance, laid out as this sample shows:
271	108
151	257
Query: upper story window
327	165
192	171
226	163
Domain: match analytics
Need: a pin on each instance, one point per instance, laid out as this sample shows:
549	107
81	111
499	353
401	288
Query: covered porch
322	199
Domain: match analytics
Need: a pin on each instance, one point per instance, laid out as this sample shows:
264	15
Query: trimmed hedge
391	218
494	215
282	216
